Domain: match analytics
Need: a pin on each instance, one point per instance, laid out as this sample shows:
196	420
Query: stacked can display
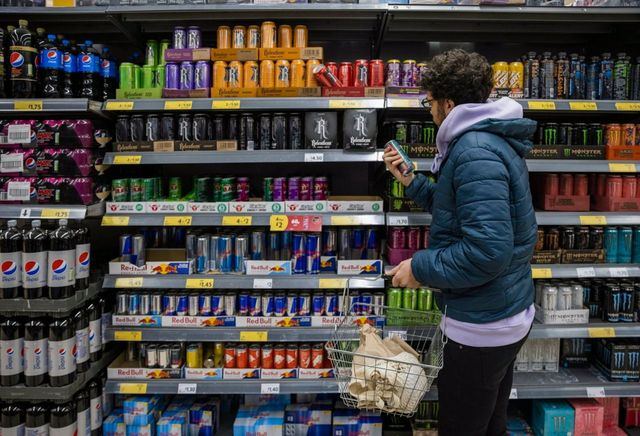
358	74
151	74
407	73
187	75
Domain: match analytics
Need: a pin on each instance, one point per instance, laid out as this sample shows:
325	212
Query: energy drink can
425	299
258	251
305	356
120	190
357	243
151	356
313	253
613	300
243	304
204	304
194	356
625	245
296	128
229	356
331	304
229	306
406	167
378	303
627	305
306	189
394	298
169	305
611	244
365	302
225	254
279	189
254	356
122	300
247	132
299	254
138	250
292	304
268	304
182	305
216	303
304	304
373	248
318	304
194	37
255	304
329	242
145	304
278	132
352	304
286	244
133	304
242	356
125	246
273	247
317	356
344	244
292	356
192	309
241	251
280	304
202	254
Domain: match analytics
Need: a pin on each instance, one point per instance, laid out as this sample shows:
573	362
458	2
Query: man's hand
393	160
403	275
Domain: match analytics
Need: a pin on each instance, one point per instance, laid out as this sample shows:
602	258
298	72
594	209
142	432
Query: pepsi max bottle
50	69
62	350
3	76
10	261
109	75
63	420
11	420
35	244
11	349
95	330
37	420
83	413
69	70
22	62
82	340
36	346
61	276
90	77
83	258
95	395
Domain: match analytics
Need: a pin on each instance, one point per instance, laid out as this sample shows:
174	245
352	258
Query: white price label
395	220
586	272
19	134
514	394
25	213
596	392
12	163
18	191
619	272
313	157
402	334
187	388
262	284
270	388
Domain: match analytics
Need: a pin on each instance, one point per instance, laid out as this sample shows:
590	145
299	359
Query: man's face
439	109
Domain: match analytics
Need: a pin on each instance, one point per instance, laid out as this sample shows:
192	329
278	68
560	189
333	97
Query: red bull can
292	304
243	304
122	302
313	253
229	304
133	305
225	254
304	304
378	303
331	304
329	242
204	304
156	304
255	304
299	254
182	305
353	303
286	241
241	253
318	304
202	254
193	309
280	304
357	244
268	304
373	247
125	248
169	305
364	303
257	245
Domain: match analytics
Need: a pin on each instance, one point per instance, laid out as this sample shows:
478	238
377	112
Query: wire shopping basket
396	384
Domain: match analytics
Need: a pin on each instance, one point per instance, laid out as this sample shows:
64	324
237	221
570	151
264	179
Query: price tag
115	220
133	159
514	394
403	102
341	220
119	106
401	334
596	392
542	105
270	388
19	134
314	157
187	388
63	3
601	332
128	336
239	220
199	284
622	168
586	272
331	283
129	282
262	284
254	336
225	104
25	213
618	272
55	213
593	220
541	273
583	106
394	220
344	104
133	388
178	105
177	220
278	223
628	106
28	105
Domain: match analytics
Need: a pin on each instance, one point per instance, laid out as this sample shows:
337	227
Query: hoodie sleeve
421	191
481	184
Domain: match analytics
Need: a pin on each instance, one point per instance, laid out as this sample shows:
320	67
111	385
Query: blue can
636	245
280	304
304	304
133	304
202	254
225	254
243	304
372	251
611	244
331	303
329	242
313	253
593	79
353	304
204	305
286	244
169	305
625	244
258	242
364	303
216	305
125	248
357	244
268	304
298	254
186	75
292	304
606	77
318	304
273	247
182	305
255	304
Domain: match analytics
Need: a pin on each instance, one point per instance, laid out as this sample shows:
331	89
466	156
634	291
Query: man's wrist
408	180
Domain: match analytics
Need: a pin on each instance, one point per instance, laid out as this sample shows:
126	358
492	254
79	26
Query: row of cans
625	135
151	355
267	35
599	185
406	73
190	37
411	238
572	134
154	51
275	356
565	296
412	132
187	75
360	73
132	76
409	298
282	73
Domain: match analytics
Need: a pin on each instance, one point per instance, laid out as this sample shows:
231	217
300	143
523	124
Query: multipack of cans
76	133
411	132
573	134
267	35
407	73
412	238
53	190
625	135
538	355
359	74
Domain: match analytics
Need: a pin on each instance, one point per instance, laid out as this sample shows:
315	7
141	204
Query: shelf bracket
128	30
380	31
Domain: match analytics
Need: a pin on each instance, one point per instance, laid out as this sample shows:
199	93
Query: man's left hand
403	275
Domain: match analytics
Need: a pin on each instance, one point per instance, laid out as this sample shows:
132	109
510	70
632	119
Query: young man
483	232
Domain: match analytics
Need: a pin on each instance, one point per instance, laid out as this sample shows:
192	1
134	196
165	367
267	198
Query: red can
398	237
254	356
425	238
242	356
229	356
361	73
292	356
551	182
601	184
317	356
629	186
325	77
267	356
306	186
413	238
333	67
566	184
305	356
345	73
614	186
320	188
376	72
580	184
279	356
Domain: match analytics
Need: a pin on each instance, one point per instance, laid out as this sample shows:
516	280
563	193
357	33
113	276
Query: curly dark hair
459	76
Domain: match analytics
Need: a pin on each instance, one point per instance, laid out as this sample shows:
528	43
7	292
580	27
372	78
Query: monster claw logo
16	59
59	266
83	258
9	267
31	267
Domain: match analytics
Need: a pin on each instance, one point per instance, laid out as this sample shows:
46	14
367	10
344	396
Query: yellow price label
542	105
115	220
129	282
622	168
119	106
254	336
133	388
403	102
601	332
278	223
128	335
593	220
344	104
583	106
331	283
199	284
28	105
129	159
339	220
178	105
177	220
240	220
541	273
628	106
225	104
55	213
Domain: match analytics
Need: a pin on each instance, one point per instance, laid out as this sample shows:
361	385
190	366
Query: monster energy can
397	189
429	133
550	134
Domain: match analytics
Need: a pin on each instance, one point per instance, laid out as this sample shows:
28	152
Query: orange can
283	77
297	73
267	356
285	36
252	38
310	81
267	74
224	37
305	356
220	78
292	356
242	356
251	74
234	76
614	134
300	37
279	356
238	37
268	36
254	356
229	356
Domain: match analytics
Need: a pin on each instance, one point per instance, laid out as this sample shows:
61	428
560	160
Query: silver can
213	253
229	304
138	250
156	304
549	297
193	305
145	304
176	356
565	298
202	254
152	356
164	356
122	301
577	296
241	250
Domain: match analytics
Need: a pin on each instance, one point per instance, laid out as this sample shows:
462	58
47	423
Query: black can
582	238
123	133
627	306
612	303
264	132
596	238
136	128
232	131
185	128
552	239
568	238
152	127
167	128
247	132
218	128
636	309
11	416
200	126
581	134
565	131
414	135
295	132
550	134
596	134
279	132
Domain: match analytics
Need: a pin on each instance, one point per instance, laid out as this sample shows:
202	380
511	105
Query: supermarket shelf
170	386
230	281
591	330
49	105
45	392
46	306
51	211
561	165
574	271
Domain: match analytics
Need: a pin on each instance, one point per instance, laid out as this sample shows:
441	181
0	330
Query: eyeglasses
426	102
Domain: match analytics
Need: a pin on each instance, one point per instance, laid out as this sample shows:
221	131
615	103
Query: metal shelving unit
36	106
51	211
560	165
47	306
574	271
597	329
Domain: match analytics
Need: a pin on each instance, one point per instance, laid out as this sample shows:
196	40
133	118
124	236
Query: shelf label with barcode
395	220
187	388
129	282
55	213
18	191
314	157
586	272
28	105
119	106
270	388
199	284
236	220
628	106
618	272
344	104
331	283
19	134
115	221
254	336
596	392
127	159
622	167
583	106
12	163
513	395
128	335
132	388
601	332
262	283
345	220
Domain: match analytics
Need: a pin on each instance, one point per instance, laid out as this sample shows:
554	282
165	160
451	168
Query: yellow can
310	80
300	36
516	76
218	355
285	36
267	74
224	37
251	74
297	73
268	35
238	38
194	355
220	79
283	76
235	74
252	38
501	75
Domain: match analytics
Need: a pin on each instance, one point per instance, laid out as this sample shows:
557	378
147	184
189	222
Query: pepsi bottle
105	308
83	413
11	349
10	261
109	75
50	69
37	420
36	346
69	70
95	330
11	420
82	340
63	420
3	76
40	38
95	394
90	77
22	62
35	244
61	275
83	258
62	348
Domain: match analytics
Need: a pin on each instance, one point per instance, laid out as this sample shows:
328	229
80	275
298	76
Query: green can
397	188
149	189
175	188
135	189
394	298
148	76
267	189
160	77
165	45
425	299
203	189
159	188
217	189
151	53
228	189
137	77
409	298
127	74
120	190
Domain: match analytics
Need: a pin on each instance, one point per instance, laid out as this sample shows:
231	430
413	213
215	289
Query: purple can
320	188
293	193
279	189
306	186
172	75
202	75
393	72
408	76
422	71
186	75
179	37
242	189
194	37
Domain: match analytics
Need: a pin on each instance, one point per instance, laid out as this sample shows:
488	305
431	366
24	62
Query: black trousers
473	389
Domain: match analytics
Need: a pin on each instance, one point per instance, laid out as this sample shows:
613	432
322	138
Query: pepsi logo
37	351
31	267
92	335
85	59
30	163
33	193
84	258
74	351
62	351
66	58
10	350
59	266
98	406
106	64
9	267
16	59
52	54
33	136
